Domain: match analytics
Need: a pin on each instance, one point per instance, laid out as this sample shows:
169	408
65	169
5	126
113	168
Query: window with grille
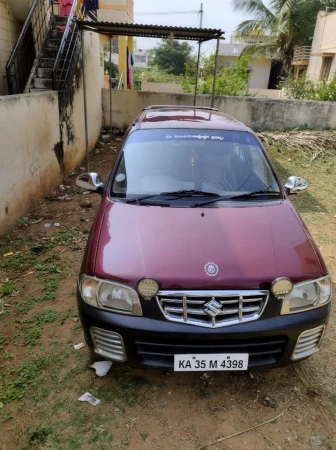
326	67
140	58
115	46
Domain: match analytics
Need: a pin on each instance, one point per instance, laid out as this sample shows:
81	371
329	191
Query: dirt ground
42	375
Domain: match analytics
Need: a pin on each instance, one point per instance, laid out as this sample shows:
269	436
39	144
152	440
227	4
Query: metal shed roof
151	31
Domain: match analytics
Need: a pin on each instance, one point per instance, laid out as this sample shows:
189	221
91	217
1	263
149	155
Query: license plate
204	363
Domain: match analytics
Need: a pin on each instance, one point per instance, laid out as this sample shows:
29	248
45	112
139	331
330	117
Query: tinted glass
221	162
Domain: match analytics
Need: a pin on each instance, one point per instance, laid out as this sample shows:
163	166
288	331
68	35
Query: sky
217	14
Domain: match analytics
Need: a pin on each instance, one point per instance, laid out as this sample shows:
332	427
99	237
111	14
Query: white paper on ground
101	367
87	397
79	346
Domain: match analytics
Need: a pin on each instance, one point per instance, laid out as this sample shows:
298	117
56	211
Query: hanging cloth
65	7
130	63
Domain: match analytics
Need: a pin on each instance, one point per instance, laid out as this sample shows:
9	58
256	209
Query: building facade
120	11
142	57
260	68
322	61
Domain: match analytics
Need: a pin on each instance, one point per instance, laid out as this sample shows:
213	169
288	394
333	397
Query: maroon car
197	259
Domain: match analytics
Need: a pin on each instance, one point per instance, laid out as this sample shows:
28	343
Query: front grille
160	353
212	309
108	344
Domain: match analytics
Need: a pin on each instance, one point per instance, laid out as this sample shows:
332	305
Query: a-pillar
122	44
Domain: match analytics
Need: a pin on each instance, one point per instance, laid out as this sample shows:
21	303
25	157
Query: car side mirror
90	181
295	184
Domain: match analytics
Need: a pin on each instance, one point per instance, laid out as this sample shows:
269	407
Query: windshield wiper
231	197
191	192
177	194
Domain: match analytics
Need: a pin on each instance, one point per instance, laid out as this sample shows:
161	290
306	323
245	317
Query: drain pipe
85	104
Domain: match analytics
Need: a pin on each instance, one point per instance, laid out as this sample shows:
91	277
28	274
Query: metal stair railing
29	44
68	54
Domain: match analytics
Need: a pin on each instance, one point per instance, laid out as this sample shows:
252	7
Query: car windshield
163	161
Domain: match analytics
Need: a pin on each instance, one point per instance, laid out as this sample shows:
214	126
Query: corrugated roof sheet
151	31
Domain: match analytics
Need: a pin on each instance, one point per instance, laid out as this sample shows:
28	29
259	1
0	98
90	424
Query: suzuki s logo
211	269
213	308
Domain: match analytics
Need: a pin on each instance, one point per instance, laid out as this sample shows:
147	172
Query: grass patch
44	317
26	378
31	334
66	236
48	269
18	261
3	341
125	390
24	306
3	307
38	433
6	288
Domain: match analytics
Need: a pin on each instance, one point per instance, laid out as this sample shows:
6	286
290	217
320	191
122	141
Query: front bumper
153	342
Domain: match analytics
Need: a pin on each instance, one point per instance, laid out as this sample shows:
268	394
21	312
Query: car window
220	162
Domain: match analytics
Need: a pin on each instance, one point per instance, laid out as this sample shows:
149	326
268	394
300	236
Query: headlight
114	297
307	295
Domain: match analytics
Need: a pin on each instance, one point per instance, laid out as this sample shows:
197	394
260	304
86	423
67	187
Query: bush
303	88
231	80
155	75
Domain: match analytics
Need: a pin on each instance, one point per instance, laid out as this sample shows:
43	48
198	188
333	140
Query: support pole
197	71
215	75
110	79
85	104
199	56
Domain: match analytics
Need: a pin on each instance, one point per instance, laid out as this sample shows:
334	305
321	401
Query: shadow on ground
304	202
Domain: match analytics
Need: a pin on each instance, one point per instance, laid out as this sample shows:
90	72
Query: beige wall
258	113
73	125
9	33
260	73
266	93
20	8
29	167
30	133
116	11
324	44
260	70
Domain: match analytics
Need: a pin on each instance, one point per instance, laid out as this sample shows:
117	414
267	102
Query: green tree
277	29
171	59
231	80
115	70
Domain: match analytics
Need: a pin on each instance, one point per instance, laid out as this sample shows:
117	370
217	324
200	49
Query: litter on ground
79	346
101	367
87	397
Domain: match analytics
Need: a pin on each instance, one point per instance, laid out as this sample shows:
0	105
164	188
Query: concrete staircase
42	72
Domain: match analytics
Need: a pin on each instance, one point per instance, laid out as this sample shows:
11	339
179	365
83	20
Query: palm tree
278	28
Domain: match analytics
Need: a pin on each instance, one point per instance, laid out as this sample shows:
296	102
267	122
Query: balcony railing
301	55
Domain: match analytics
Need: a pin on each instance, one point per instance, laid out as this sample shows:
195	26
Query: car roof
176	116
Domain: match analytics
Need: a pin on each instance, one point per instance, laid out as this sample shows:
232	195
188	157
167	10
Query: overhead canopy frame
151	31
160	32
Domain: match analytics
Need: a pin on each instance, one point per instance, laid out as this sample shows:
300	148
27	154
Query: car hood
249	246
